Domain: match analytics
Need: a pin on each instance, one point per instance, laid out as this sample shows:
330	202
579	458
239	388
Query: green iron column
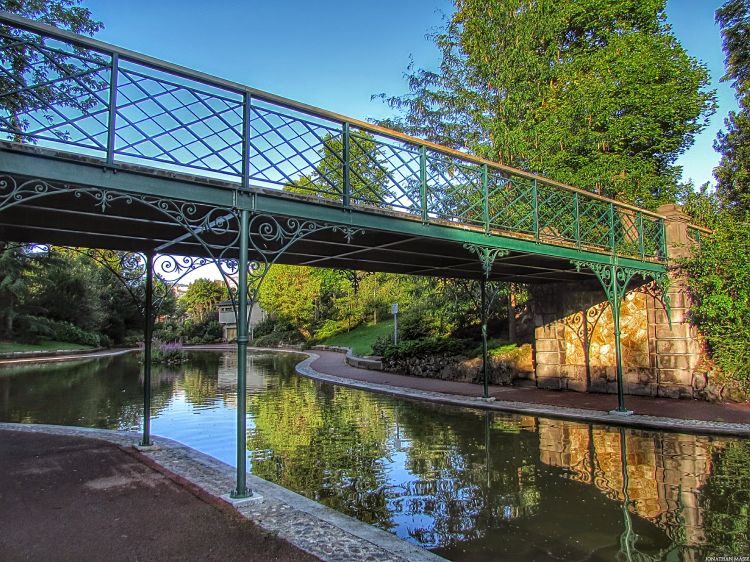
242	491
483	313
616	301
148	326
614	279
487	256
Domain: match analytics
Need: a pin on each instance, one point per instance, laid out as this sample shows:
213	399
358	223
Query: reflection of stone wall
664	472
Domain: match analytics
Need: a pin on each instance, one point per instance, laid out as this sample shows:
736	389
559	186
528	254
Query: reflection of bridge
106	148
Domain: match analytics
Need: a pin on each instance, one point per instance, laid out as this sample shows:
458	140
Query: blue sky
335	54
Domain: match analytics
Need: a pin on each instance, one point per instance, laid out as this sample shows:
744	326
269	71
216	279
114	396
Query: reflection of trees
726	502
460	494
324	442
104	392
198	378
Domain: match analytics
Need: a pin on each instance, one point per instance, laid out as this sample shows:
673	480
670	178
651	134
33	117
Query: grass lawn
360	339
10	347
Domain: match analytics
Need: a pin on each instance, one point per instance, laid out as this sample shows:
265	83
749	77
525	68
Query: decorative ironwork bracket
615	279
487	255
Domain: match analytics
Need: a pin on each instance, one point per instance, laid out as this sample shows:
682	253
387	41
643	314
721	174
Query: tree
368	172
14	266
33	69
733	172
596	94
202	298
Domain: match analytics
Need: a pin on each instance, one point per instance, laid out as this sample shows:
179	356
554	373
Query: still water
466	484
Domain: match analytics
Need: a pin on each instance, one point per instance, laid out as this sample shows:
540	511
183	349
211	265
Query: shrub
36	328
426	346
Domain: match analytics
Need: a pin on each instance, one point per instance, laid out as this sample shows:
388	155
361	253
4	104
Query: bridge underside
81	203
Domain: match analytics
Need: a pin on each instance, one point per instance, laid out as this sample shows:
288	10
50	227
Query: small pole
394	311
242	491
423	182
485	382
147	337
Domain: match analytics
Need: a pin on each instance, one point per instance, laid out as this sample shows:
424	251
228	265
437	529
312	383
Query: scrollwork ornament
487	255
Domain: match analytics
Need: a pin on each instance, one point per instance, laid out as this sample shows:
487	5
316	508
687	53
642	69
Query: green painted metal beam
220	194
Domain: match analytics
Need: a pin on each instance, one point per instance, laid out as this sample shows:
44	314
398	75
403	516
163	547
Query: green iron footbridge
102	147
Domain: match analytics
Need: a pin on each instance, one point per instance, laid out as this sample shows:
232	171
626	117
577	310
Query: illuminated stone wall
574	335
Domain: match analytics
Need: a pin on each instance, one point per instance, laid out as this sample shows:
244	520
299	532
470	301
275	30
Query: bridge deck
390	241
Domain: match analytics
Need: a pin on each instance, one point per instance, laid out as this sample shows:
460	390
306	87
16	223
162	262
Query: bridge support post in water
148	327
615	279
242	491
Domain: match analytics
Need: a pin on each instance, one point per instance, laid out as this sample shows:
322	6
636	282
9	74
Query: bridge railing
68	92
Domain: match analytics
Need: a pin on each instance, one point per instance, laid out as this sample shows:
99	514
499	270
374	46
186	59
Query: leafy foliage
594	93
733	172
63	295
719	283
426	347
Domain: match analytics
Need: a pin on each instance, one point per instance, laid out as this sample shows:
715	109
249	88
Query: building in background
228	320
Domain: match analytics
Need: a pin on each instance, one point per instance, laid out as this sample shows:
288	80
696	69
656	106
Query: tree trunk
511	316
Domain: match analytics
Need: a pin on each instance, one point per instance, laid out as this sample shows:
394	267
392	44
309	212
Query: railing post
347	166
485	200
641	241
112	120
577	219
423	181
612	227
535	203
247	108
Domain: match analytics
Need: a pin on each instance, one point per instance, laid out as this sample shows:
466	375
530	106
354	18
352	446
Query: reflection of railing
68	92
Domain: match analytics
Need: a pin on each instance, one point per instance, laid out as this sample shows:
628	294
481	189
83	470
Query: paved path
78	499
334	364
72	356
652	413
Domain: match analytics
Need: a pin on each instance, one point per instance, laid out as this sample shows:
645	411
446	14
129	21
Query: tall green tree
596	93
14	284
733	172
202	298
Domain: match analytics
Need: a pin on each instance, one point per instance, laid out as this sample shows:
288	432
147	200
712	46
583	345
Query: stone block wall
660	358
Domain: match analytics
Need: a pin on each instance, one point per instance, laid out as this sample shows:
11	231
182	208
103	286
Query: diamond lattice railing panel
653	238
627	235
557	213
384	172
593	216
454	189
511	202
178	124
296	153
52	92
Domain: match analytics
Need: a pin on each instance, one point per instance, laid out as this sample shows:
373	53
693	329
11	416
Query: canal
465	484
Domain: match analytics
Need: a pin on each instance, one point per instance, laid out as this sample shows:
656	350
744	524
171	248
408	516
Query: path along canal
469	485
